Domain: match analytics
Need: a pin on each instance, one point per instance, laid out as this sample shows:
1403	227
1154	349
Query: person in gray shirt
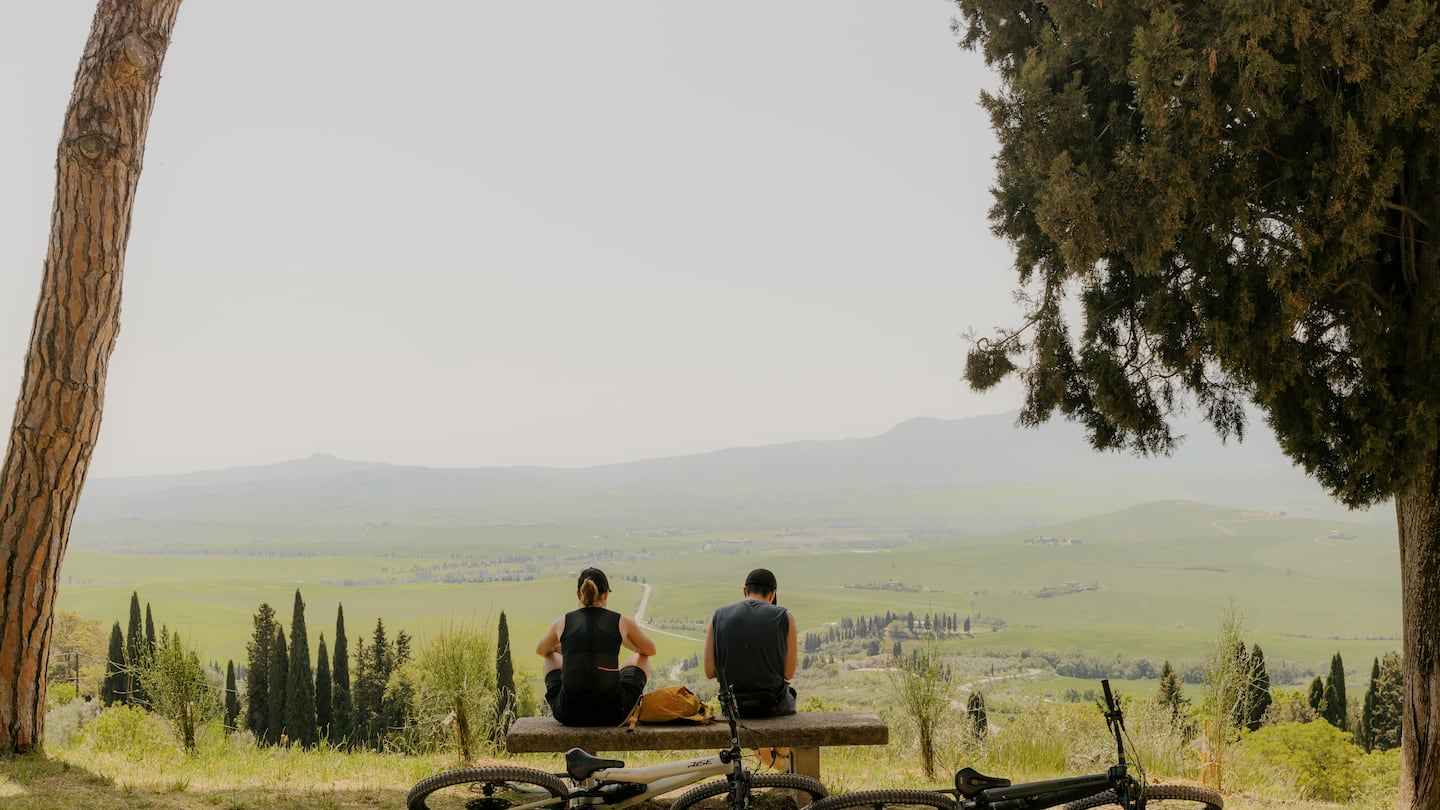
750	645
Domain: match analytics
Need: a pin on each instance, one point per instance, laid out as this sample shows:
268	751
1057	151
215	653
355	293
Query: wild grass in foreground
126	758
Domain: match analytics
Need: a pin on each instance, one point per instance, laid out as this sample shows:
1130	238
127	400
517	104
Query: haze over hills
980	474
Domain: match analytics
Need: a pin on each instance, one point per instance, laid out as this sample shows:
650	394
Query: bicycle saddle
580	763
970	782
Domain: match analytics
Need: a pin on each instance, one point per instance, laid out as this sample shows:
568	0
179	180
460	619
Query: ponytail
589	593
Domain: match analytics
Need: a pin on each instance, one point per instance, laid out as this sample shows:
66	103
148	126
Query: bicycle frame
658	779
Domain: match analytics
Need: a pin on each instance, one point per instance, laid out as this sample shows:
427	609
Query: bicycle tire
489	778
1171	796
760	781
886	797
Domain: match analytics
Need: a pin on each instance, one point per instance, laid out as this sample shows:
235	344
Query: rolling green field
1148	582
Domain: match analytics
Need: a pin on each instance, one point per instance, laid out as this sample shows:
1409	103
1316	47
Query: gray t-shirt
750	644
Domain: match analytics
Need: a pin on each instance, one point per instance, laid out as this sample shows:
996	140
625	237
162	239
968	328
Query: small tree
1384	704
1336	711
921	685
342	712
504	681
300	683
1259	698
975	709
135	653
260	649
177	688
454	686
1317	695
151	643
1228	675
116	679
324	705
279	676
232	698
1170	696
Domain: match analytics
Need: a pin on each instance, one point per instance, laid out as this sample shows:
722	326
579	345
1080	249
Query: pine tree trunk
1418	512
57	415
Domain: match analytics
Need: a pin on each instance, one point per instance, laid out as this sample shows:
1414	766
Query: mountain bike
975	791
590	781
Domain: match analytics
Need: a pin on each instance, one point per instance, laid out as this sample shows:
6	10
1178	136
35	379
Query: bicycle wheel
1168	797
885	798
758	782
491	788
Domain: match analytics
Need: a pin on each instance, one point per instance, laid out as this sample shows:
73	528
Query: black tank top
590	652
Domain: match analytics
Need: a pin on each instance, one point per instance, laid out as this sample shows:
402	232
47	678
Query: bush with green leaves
1317	762
452	687
922	686
127	731
178	689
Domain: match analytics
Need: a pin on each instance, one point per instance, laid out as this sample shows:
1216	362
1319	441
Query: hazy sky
497	232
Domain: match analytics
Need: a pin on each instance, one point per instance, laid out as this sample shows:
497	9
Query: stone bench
804	734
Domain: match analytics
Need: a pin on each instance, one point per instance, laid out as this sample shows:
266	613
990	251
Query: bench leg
805	761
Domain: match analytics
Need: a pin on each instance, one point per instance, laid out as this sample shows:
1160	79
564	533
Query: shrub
1320	762
129	732
65	722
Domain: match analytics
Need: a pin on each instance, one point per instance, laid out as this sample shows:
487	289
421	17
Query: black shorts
595	710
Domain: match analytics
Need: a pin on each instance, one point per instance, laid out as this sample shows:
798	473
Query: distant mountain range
981	474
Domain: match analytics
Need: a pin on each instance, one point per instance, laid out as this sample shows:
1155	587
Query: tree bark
57	415
1418	513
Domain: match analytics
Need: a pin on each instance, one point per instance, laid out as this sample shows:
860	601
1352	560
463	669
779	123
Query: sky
470	233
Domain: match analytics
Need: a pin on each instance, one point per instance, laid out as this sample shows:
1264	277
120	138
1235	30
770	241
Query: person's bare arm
710	649
790	656
550	642
634	638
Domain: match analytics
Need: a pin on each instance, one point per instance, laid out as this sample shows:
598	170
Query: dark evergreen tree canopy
135	653
1171	696
1335	709
150	642
232	697
257	673
1259	699
324	687
1229	203
975	710
114	686
342	712
505	701
300	685
1317	695
279	678
1386	704
1239	196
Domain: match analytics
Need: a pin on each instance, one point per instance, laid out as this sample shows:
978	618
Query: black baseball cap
760	580
598	577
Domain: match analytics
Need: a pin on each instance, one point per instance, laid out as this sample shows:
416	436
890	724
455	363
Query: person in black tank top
585	683
751	644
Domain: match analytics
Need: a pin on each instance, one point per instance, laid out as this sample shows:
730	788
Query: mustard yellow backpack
667	705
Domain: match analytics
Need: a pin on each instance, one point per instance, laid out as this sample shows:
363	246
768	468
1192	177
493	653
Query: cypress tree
300	684
1170	696
279	677
134	653
1259	699
324	706
1364	736
149	630
1317	695
342	712
1389	703
113	688
504	680
975	708
257	673
1335	709
232	698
